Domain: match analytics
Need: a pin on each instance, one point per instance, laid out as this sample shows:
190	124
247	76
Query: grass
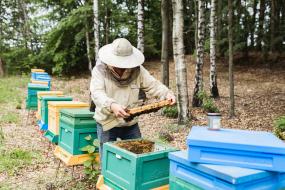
10	118
13	160
11	98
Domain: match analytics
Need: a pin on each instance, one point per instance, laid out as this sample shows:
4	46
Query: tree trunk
272	26
107	22
219	28
196	23
88	50
96	28
179	59
252	27
231	77
261	24
26	27
198	86
1	68
165	42
213	74
140	44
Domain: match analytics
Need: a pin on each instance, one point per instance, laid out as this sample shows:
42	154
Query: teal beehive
74	126
44	108
32	99
123	169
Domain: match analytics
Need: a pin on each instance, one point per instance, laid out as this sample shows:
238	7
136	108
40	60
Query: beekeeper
116	80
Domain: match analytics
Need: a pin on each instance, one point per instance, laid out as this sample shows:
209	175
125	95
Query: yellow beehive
53	112
45	93
72	160
101	186
39	82
37	70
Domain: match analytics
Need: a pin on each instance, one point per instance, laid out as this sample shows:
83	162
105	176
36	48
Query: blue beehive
217	177
35	75
44	78
249	149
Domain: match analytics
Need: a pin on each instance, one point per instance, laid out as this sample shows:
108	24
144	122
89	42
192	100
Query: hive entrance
136	146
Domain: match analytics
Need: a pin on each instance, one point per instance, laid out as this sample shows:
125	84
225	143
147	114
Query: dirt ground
259	100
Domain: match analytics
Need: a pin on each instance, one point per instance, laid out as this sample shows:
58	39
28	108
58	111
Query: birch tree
198	86
140	44
179	59
165	42
96	28
231	77
213	72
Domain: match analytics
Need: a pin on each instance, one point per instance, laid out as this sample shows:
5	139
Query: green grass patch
13	160
10	88
10	117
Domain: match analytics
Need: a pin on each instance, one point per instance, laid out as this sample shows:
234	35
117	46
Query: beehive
44	108
72	160
74	126
35	75
209	176
53	116
123	169
45	93
32	100
37	70
40	82
249	149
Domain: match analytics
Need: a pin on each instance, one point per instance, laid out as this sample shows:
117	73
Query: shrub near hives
279	127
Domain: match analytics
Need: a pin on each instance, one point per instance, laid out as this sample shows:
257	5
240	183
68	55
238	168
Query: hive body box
249	149
74	126
45	93
125	170
40	82
53	116
35	75
32	100
44	108
217	177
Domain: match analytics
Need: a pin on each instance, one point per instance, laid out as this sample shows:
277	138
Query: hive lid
37	86
55	97
67	103
37	70
257	141
231	174
85	113
43	93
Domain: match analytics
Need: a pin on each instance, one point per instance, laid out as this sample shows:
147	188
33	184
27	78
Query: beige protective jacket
105	91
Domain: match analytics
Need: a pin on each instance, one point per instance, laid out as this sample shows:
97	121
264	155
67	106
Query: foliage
170	111
11	161
279	127
207	102
91	168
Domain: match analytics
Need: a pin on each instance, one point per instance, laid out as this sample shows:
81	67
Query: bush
170	111
279	127
207	103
